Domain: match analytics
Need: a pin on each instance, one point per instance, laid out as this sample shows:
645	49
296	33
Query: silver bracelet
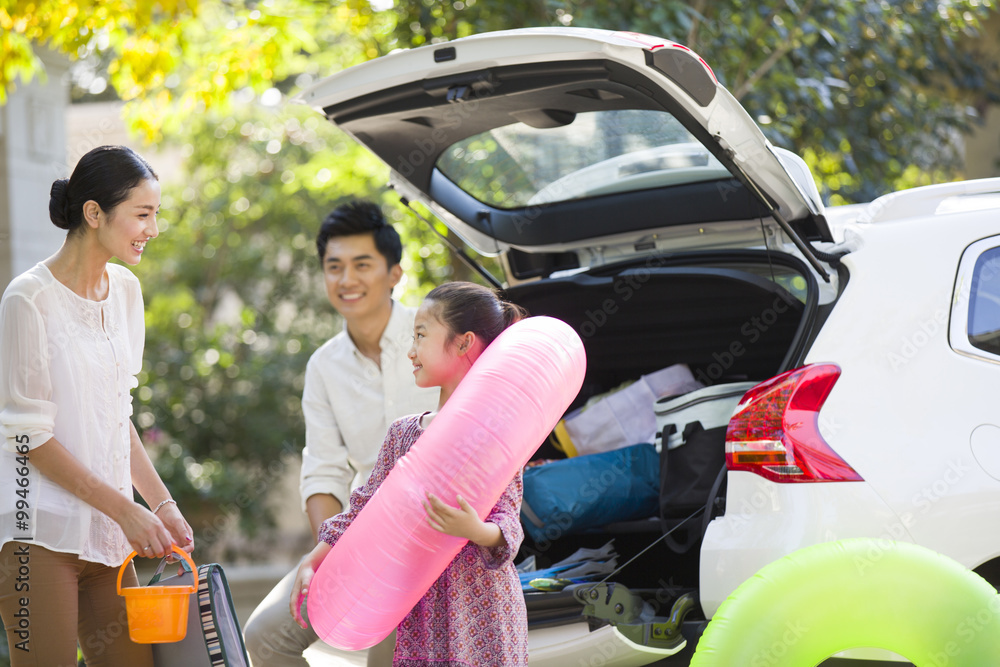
164	502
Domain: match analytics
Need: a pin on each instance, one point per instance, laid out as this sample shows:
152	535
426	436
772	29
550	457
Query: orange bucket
157	614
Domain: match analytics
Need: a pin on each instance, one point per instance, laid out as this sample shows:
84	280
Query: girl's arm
142	528
149	485
506	514
307	569
462	521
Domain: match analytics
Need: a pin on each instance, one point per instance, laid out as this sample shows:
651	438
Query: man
356	384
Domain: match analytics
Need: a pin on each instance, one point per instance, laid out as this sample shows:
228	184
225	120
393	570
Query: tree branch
699	11
745	62
776	55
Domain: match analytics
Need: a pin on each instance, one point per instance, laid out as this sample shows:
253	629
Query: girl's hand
179	529
145	532
307	569
461	521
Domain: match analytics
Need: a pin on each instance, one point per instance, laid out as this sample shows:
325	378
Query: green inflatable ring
806	607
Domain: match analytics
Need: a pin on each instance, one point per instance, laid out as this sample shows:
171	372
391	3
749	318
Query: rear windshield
593	153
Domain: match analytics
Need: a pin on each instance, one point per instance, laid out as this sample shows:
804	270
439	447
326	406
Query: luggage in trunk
692	432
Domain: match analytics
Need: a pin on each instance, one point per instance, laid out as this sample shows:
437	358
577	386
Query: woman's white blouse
69	365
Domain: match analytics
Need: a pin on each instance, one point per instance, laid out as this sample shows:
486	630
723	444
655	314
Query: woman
71	340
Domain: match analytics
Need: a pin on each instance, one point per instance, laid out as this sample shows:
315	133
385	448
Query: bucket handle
132	555
162	566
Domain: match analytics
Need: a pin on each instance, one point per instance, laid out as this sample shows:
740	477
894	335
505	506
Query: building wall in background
32	155
982	149
101	124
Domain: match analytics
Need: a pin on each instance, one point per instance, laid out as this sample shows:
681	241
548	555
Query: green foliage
874	90
132	29
176	58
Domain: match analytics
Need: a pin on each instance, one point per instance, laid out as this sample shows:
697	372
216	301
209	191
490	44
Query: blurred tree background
872	94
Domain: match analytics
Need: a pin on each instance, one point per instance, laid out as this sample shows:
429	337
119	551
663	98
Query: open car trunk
735	316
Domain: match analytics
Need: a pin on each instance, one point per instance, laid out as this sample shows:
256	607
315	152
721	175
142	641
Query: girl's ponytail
511	313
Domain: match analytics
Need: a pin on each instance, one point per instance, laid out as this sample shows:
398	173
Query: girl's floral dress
474	614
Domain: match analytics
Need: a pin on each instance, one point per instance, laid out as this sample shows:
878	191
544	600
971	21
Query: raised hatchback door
539	138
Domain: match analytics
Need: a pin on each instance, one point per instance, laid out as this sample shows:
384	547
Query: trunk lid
558	146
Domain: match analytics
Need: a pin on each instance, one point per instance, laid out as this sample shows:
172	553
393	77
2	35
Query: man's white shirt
348	403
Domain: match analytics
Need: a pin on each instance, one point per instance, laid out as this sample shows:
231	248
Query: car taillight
775	431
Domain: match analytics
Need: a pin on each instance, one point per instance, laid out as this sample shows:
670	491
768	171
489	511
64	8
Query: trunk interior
731	317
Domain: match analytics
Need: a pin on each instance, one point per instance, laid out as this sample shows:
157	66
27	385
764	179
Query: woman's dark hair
463	306
361	217
105	175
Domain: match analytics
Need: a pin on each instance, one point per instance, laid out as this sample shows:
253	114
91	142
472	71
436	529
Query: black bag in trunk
692	437
687	473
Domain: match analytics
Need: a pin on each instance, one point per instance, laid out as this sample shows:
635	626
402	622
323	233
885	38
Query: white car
628	193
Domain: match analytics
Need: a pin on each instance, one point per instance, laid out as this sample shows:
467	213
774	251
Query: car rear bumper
765	521
575	644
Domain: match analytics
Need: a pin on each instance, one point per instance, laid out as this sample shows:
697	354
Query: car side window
984	303
975	316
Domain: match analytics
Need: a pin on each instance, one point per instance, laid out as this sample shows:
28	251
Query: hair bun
59	203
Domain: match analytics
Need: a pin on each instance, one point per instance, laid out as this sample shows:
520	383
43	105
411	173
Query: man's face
358	278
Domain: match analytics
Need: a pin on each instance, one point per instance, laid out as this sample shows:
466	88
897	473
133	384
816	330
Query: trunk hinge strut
461	254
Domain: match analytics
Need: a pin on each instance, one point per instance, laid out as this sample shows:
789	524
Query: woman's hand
144	531
179	529
462	521
303	578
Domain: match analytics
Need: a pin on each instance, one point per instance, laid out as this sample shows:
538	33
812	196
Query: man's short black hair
361	217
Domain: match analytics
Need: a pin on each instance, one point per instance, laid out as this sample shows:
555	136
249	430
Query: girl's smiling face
439	356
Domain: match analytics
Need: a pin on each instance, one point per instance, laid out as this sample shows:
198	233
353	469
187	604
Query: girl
71	339
474	614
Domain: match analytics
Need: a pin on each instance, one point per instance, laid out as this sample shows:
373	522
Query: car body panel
765	521
944	489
